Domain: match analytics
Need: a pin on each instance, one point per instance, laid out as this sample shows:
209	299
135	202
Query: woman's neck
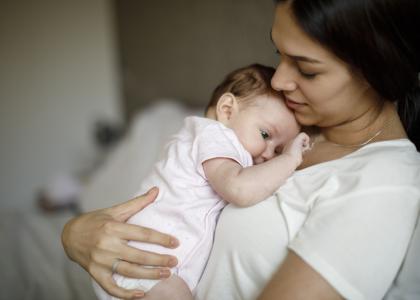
371	126
334	143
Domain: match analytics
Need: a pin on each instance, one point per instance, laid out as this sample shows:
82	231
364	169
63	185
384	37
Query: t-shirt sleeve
218	141
357	241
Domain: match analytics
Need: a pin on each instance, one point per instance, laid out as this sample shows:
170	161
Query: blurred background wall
64	64
58	74
184	48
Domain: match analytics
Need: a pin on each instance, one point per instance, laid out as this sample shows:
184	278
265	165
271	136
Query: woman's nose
283	78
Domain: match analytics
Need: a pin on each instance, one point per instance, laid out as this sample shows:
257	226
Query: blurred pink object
63	191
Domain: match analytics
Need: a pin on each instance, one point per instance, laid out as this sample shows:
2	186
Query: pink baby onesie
187	207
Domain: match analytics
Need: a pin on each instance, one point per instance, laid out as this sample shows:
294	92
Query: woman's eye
307	75
264	134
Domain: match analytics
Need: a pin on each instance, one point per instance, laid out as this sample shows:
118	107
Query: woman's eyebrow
297	57
304	59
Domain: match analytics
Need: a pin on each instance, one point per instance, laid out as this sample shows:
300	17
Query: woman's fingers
82	235
96	240
131	232
102	263
111	245
135	271
133	263
141	257
105	280
122	212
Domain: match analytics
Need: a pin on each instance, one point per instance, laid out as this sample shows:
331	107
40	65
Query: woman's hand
97	239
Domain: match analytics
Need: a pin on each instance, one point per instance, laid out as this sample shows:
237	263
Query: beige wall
183	48
57	75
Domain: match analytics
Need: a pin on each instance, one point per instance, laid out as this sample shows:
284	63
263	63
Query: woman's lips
293	104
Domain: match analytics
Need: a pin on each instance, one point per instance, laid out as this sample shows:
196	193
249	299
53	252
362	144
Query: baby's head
246	103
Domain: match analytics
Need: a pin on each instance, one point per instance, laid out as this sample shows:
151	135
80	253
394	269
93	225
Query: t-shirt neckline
375	144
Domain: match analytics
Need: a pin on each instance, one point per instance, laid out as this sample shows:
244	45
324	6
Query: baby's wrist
294	157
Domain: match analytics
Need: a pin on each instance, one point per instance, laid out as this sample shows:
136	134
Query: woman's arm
97	239
296	280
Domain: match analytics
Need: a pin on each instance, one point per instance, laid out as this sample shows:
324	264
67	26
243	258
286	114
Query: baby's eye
264	134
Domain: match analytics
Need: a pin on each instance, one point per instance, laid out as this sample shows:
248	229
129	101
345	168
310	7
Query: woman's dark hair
378	38
244	83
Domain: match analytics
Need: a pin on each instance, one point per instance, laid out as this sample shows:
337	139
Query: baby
244	150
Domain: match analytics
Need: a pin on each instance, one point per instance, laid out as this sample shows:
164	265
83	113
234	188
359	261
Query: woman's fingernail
138	295
165	273
174	242
172	262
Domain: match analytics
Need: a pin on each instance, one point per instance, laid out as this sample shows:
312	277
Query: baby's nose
269	153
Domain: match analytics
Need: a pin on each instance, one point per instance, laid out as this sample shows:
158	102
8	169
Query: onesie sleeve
215	141
357	241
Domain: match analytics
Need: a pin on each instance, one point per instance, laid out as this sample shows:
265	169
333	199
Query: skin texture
336	100
266	115
269	132
332	97
346	110
172	288
95	240
324	92
295	280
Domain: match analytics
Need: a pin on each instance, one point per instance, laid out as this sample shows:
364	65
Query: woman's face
318	86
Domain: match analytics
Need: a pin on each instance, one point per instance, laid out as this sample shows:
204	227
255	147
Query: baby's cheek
257	160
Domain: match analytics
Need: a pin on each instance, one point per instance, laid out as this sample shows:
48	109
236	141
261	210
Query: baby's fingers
306	141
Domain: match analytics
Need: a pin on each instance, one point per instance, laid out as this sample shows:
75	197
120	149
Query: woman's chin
305	120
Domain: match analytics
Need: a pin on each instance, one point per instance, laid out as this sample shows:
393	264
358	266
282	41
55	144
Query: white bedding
33	264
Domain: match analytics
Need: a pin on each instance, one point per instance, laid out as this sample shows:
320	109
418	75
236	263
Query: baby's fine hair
244	83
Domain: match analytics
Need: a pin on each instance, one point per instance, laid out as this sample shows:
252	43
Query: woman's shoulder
392	146
393	162
389	154
384	154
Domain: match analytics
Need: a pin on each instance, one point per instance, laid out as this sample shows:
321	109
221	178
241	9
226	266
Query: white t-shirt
351	219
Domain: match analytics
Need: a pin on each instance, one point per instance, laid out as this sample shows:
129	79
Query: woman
340	227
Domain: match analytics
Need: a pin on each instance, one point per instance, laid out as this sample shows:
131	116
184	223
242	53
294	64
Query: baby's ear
227	107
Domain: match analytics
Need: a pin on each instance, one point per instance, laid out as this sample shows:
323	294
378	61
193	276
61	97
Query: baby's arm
248	186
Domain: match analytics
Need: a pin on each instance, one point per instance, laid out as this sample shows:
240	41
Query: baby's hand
297	147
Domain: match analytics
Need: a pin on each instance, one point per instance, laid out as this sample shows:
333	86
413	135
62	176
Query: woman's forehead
292	41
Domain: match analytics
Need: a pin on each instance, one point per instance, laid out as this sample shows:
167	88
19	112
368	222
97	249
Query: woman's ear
226	108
